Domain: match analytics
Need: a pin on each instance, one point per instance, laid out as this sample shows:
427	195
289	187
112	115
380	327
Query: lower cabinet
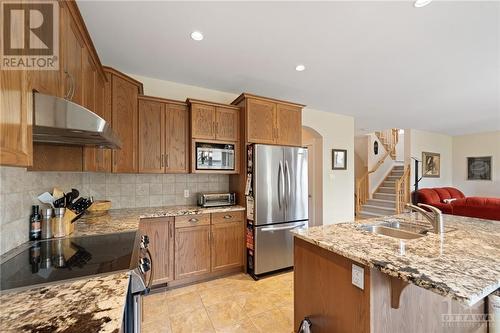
161	246
193	247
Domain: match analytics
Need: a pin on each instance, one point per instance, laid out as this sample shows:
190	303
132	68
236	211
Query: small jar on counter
47	223
58	228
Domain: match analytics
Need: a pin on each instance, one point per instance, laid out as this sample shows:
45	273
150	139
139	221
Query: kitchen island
411	285
88	303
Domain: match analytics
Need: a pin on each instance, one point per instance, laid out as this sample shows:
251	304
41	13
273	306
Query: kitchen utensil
81	205
57	193
59	203
46	198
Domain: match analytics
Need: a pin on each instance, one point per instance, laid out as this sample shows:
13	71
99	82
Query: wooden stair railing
363	184
389	138
403	190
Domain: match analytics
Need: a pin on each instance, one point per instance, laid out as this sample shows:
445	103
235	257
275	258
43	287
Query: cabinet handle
277	133
161	160
193	220
167	160
170	230
69	94
227	217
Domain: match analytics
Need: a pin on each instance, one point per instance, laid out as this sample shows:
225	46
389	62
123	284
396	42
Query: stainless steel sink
382	229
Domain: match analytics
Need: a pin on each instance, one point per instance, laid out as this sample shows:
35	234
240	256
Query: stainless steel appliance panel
269	185
274	244
296	189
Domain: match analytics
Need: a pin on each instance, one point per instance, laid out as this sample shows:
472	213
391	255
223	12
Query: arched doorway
313	141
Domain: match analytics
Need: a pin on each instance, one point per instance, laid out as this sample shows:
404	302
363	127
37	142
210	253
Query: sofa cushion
443	193
454	192
428	196
479	207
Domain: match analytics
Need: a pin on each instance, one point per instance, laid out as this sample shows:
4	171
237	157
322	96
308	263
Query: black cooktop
61	259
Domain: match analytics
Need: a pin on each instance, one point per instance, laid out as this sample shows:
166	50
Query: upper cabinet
270	121
124	119
163	136
213	121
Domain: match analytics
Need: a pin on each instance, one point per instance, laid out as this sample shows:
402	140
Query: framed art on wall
479	168
431	164
339	159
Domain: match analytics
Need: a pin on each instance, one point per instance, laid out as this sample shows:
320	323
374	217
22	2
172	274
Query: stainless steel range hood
59	121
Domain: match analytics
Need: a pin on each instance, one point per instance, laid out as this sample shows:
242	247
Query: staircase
384	198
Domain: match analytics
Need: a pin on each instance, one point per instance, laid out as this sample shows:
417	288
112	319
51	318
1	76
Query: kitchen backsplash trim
19	189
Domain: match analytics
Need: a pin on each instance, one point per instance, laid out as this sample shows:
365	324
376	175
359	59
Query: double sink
398	229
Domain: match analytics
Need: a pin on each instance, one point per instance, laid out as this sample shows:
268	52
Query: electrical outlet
186	193
358	276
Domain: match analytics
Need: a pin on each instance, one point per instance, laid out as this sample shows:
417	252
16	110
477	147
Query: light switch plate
358	276
186	193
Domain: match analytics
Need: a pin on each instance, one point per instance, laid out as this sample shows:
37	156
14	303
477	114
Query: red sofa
480	207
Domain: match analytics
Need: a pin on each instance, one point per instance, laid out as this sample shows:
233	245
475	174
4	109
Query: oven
214	156
141	278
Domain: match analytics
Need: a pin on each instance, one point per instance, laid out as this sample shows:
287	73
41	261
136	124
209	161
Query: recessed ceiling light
300	68
421	3
196	35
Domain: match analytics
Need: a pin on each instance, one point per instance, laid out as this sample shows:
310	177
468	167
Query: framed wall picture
431	165
479	168
339	159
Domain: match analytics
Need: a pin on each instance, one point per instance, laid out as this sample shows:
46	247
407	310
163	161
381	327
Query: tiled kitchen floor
231	304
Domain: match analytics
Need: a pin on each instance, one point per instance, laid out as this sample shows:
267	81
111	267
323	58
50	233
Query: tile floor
235	303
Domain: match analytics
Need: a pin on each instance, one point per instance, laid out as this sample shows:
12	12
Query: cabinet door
151	136
192	251
161	246
202	121
289	125
227	124
15	119
103	155
124	123
227	245
261	120
72	59
177	151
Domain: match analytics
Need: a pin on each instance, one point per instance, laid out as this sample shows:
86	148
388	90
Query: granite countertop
463	264
88	305
122	220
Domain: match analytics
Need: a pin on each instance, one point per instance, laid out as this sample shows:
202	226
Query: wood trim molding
125	77
161	100
247	95
190	101
82	28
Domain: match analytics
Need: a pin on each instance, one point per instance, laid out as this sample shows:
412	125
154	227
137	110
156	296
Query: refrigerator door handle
281	179
283	228
287	184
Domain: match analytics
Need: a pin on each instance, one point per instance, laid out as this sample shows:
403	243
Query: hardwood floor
231	304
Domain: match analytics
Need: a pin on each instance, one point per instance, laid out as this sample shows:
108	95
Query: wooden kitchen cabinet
288	125
16	115
227	244
72	48
270	121
163	136
161	246
214	121
124	120
192	246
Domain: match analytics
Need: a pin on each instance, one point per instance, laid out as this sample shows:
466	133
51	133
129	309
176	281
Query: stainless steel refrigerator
280	194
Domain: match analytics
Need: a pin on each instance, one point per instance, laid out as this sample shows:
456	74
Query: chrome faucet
435	217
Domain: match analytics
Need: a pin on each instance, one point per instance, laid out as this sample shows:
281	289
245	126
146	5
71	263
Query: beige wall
337	132
421	141
475	145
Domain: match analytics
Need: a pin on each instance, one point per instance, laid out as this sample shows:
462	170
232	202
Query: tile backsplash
19	189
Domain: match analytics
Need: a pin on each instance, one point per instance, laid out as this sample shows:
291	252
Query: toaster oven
216	199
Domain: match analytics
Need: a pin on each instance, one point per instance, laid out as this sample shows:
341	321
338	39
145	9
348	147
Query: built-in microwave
214	156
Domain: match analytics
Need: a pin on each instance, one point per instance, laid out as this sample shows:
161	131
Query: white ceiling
387	64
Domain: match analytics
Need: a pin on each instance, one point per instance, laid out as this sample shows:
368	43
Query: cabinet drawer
192	220
227	217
